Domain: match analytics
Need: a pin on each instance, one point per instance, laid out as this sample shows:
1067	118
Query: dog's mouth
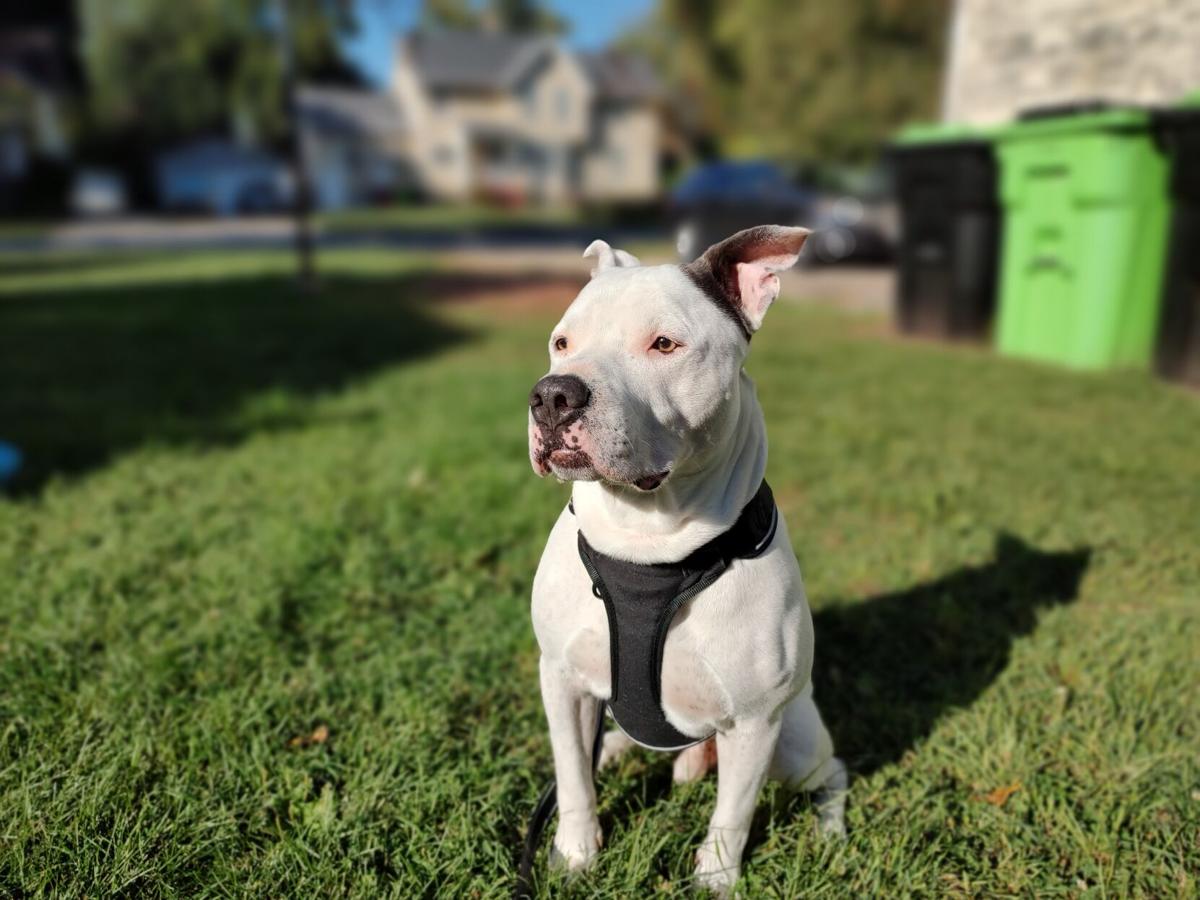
565	455
554	451
569	458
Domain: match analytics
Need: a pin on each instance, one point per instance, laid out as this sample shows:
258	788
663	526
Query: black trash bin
1178	351
945	180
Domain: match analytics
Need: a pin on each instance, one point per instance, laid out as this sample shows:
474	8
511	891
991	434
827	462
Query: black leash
546	806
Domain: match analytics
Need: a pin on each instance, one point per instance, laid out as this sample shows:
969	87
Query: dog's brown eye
664	344
560	344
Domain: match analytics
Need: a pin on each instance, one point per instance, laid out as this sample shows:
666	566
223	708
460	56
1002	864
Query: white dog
647	409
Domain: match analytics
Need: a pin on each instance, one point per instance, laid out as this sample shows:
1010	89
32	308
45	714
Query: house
222	177
521	117
355	145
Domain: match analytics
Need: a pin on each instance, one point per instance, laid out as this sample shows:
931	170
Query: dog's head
646	359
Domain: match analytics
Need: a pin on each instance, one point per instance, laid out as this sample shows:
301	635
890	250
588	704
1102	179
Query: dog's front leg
743	757
571	713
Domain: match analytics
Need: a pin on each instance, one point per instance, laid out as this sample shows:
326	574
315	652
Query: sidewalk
536	251
206	233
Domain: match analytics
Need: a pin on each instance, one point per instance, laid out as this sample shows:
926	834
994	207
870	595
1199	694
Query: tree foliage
800	79
167	69
513	16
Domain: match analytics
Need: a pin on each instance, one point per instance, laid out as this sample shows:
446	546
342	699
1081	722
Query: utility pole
306	274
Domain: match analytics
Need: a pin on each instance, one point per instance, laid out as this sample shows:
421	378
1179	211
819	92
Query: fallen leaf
319	736
1000	795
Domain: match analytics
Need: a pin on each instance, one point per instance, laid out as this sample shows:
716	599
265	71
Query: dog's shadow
889	667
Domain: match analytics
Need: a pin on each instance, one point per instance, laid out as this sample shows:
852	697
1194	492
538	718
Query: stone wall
1009	55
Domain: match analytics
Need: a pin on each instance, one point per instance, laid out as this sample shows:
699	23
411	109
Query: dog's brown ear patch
739	273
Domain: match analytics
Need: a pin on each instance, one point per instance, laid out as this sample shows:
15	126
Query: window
443	154
562	104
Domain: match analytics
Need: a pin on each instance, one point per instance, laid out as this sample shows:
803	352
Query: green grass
25	228
444	217
253	513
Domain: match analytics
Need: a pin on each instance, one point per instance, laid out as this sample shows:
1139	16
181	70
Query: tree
525	16
512	16
452	14
801	79
165	69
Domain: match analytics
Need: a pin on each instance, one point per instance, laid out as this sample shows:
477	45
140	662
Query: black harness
641	601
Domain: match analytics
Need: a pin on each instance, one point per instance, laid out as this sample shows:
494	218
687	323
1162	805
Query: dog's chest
741	644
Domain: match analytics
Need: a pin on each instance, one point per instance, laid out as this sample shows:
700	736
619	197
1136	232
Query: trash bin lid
1089	117
923	134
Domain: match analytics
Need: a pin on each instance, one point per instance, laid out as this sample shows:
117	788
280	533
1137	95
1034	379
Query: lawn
264	588
449	217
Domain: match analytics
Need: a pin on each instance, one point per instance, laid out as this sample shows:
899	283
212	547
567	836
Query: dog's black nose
557	400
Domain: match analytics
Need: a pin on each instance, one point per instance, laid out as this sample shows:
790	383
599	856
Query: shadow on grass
86	373
888	667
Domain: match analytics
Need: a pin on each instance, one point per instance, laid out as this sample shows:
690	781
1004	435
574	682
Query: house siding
437	148
623	162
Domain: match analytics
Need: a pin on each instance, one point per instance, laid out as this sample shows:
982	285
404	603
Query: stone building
1009	55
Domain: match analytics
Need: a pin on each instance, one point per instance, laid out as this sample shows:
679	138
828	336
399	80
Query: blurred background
471	123
493	137
465	123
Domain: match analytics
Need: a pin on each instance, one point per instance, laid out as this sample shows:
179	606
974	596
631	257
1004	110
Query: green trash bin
1086	212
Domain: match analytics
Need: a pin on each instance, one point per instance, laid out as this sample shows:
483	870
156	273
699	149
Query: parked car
720	198
847	231
262	195
98	192
222	178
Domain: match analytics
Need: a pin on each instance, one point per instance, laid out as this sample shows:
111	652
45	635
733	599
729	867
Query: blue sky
593	24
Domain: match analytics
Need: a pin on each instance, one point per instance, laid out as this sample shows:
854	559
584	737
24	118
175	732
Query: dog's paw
830	801
716	871
575	847
616	744
831	827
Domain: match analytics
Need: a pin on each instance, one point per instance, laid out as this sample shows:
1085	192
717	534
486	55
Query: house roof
621	76
474	60
349	111
488	61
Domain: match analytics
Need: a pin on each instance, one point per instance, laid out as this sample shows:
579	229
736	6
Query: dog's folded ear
608	258
740	271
